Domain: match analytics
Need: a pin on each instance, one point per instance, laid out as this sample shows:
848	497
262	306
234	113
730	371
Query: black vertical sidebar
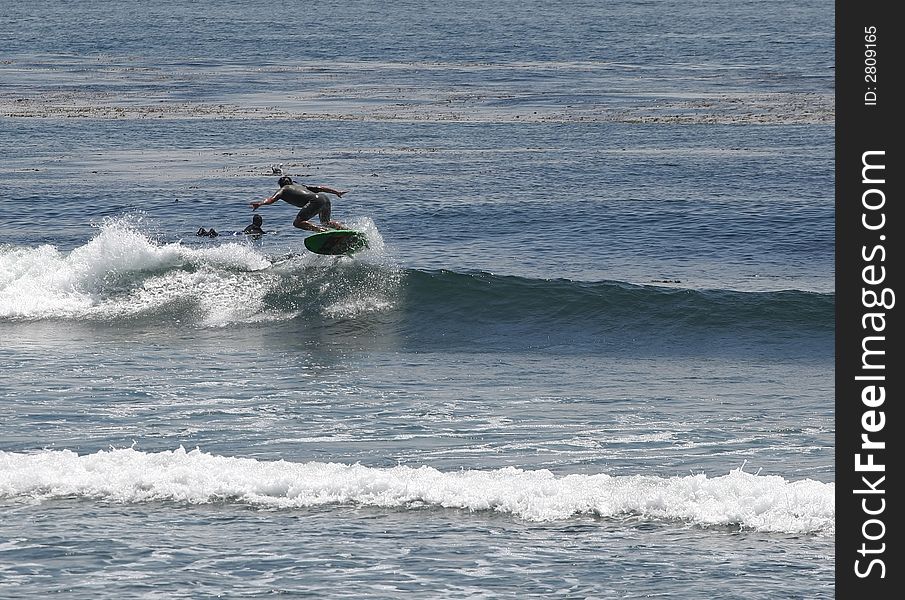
870	437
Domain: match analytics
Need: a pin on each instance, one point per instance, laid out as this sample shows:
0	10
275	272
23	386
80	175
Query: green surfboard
336	241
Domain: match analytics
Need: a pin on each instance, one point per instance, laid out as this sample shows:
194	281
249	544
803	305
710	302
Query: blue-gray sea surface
588	353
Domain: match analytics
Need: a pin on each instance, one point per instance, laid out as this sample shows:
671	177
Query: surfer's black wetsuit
255	227
313	200
312	203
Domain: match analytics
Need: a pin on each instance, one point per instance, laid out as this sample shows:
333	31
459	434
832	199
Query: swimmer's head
284	181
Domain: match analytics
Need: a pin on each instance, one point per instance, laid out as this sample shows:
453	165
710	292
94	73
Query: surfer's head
257	219
284	181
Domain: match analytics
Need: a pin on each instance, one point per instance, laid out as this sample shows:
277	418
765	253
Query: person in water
255	227
311	199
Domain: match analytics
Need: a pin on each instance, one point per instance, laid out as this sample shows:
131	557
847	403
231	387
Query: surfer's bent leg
324	214
308	211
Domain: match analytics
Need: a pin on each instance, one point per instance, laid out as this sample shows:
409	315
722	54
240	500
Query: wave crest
122	273
738	499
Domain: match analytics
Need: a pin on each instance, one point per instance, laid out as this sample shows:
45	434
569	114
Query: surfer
311	199
255	228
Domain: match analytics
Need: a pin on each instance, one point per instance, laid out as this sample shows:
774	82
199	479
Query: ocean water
588	353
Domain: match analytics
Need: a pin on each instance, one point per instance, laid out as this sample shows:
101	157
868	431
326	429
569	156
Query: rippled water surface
588	353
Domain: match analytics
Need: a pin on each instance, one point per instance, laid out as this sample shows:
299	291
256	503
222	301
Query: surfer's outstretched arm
317	189
266	201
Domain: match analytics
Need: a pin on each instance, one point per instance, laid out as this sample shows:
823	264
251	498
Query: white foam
749	501
124	272
42	282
